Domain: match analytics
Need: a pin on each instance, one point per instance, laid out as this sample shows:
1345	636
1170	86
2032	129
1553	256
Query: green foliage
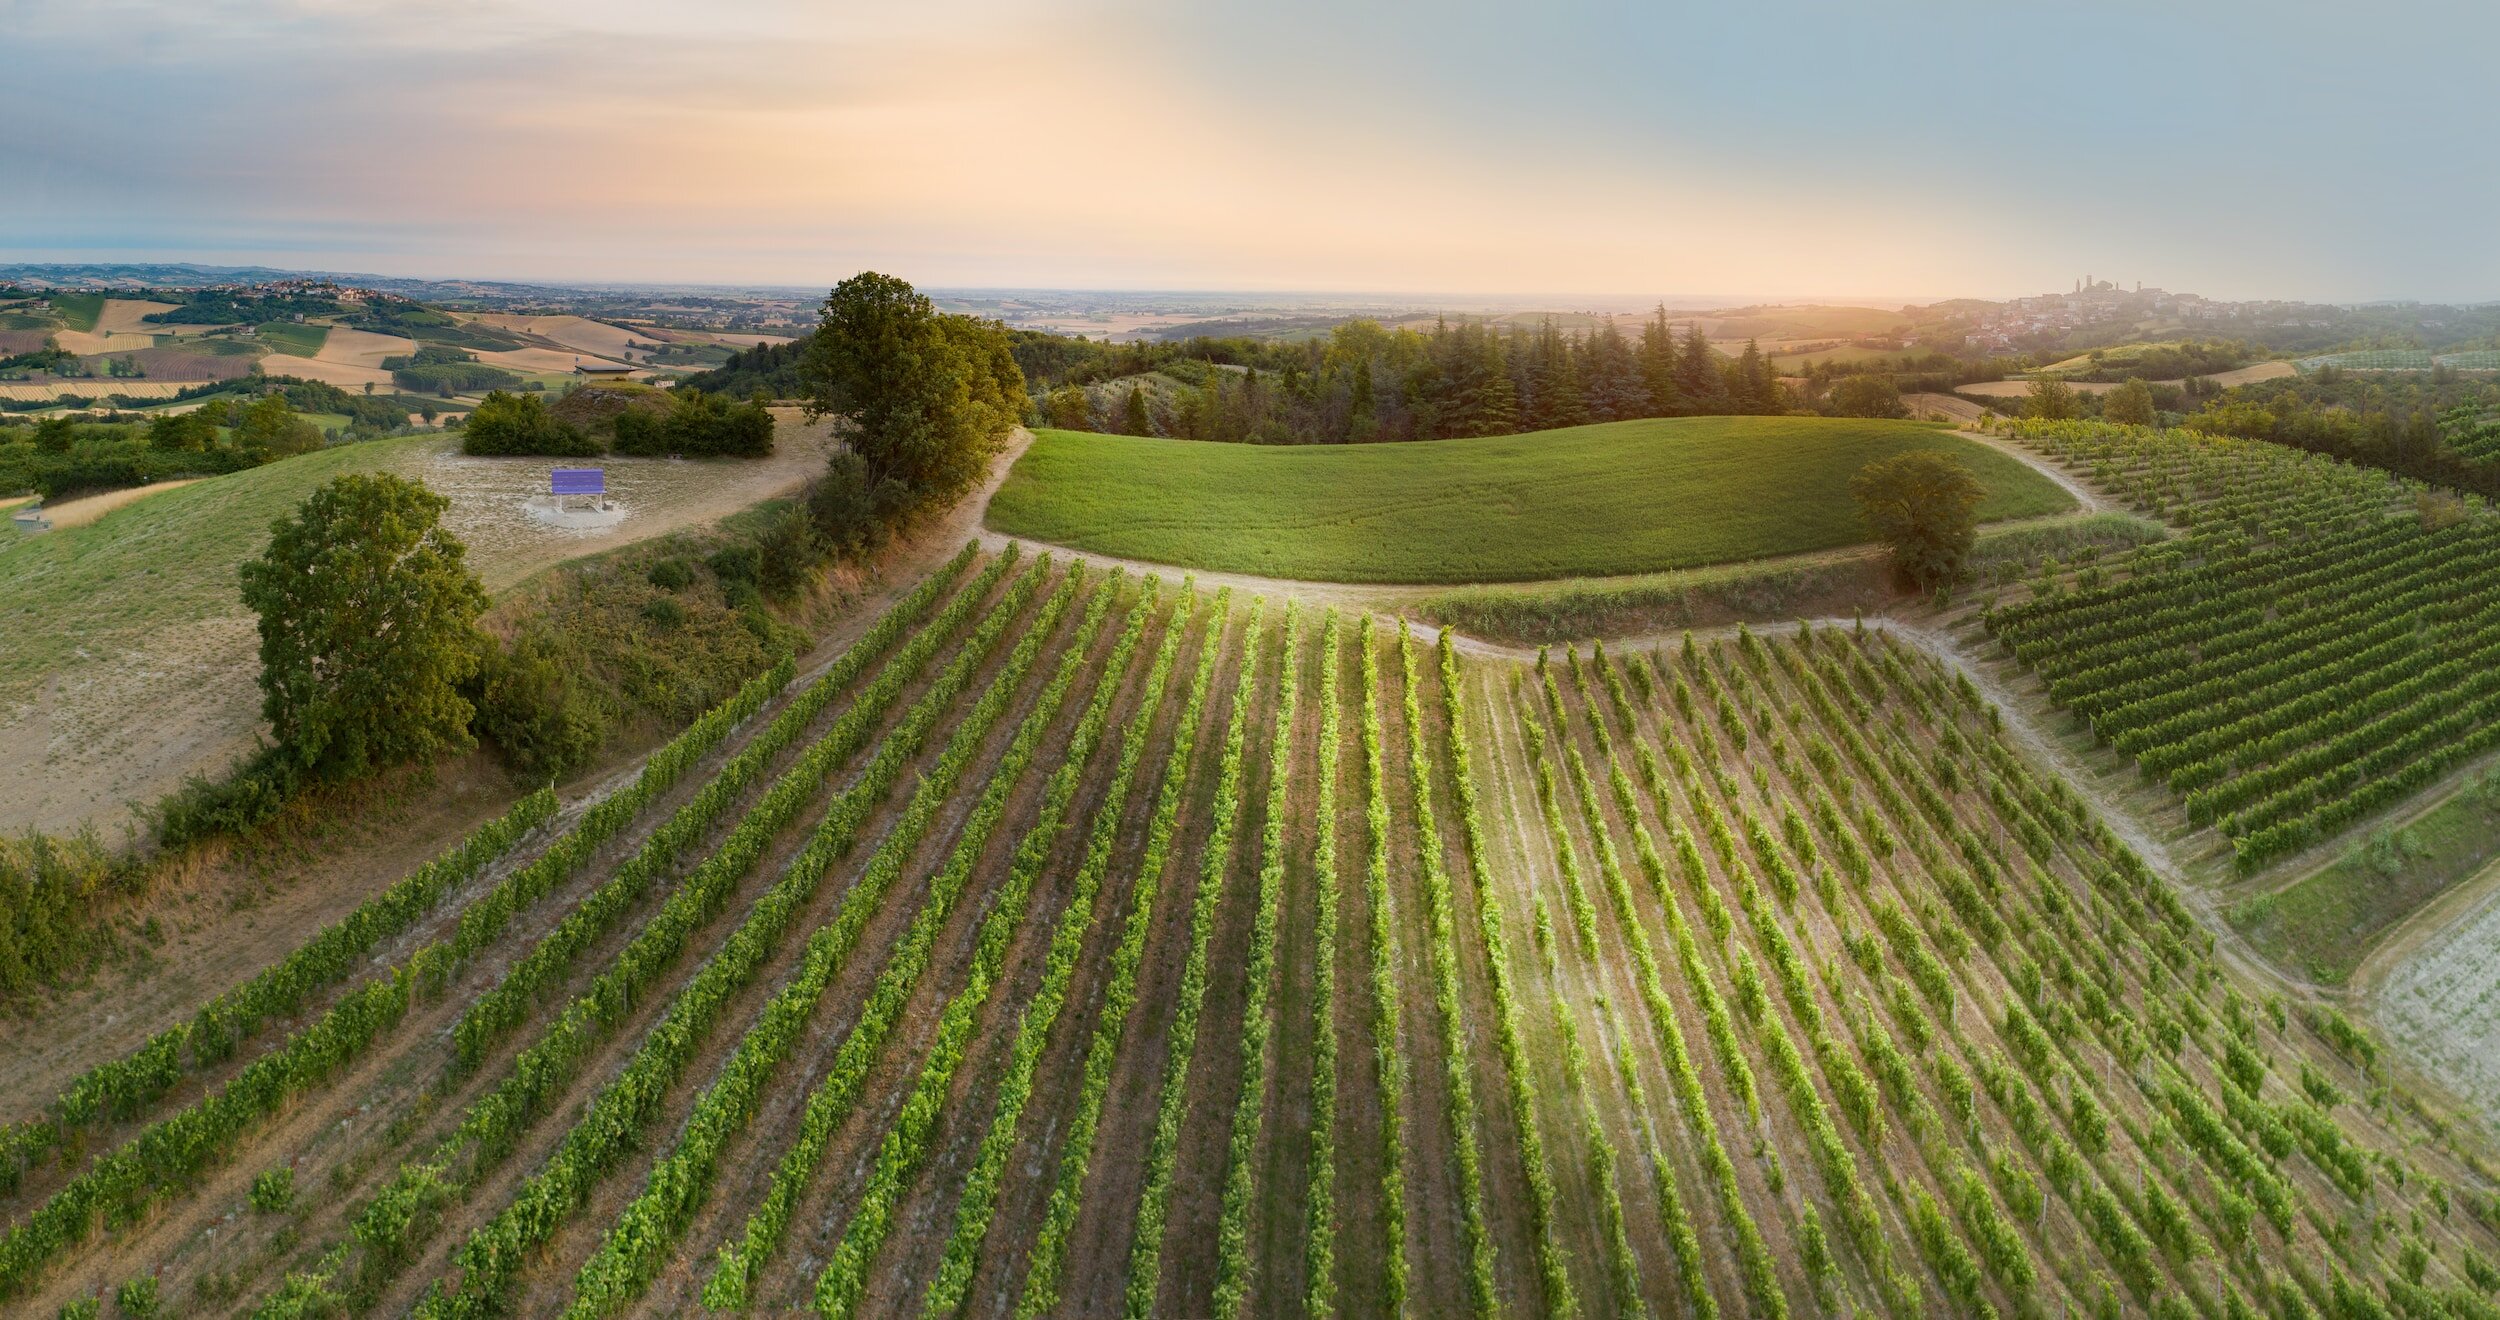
697	425
1048	1258
138	1298
487	1132
368	616
1925	505
2052	400
2130	404
504	423
535	710
1866	395
928	397
1144	1276
1632	497
49	891
273	1192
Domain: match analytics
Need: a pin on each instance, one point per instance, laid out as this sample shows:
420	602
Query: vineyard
1077	944
2318	645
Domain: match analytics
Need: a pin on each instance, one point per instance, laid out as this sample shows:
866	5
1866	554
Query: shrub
251	793
543	721
697	425
273	1191
737	563
671	575
664	614
138	1298
520	424
844	506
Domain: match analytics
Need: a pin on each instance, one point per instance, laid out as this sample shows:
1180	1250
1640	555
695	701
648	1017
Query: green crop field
1622	497
292	339
78	311
71	589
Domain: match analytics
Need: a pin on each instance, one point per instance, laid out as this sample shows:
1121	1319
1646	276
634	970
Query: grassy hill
69	590
1621	497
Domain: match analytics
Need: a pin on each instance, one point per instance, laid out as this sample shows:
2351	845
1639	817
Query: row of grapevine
121	1088
618	1113
1145	1259
168	1153
2125	1228
1758	1269
1258	1021
2309	652
1558	1293
900	1156
499	1010
397	1220
1440	921
1048	1260
1380	948
979	1197
1319	1296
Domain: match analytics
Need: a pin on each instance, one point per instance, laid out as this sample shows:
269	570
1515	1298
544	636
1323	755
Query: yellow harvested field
346	376
123	314
19	391
538	359
2015	389
578	333
362	348
84	342
2251	374
730	338
1942	405
80	512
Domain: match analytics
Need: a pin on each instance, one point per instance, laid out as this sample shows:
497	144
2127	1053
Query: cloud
1574	147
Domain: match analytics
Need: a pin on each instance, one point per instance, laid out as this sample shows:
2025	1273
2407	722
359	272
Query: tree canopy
1866	395
1924	505
368	614
2052	400
927	397
2130	404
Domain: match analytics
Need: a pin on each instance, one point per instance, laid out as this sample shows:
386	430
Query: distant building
581	368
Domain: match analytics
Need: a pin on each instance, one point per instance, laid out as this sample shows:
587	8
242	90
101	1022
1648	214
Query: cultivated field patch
1624	497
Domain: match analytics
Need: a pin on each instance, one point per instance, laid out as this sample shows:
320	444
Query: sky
1921	149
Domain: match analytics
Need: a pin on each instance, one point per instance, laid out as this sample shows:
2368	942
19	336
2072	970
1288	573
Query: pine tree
1498	413
1697	375
1526	382
1134	420
1565	405
1361	422
1750	385
1613	384
1657	362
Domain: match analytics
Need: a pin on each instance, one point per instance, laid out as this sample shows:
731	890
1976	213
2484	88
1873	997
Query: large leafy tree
1867	394
1925	505
368	627
927	397
2130	404
2052	400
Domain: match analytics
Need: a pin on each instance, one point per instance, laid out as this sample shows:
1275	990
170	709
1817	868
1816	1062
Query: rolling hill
1621	497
